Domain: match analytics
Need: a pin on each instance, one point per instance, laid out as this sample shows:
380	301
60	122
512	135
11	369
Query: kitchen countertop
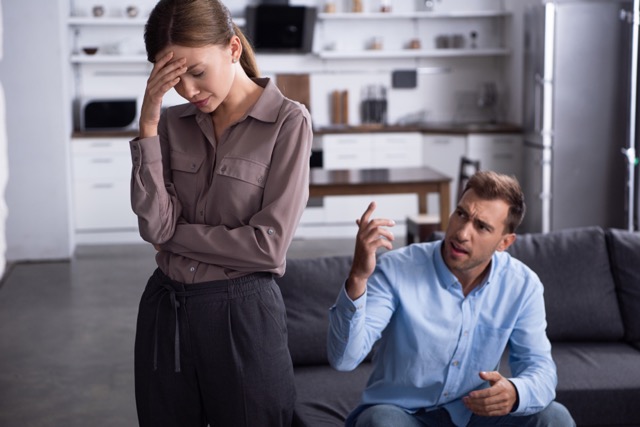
440	128
436	128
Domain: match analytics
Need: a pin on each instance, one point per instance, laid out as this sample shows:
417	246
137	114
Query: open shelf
412	53
412	15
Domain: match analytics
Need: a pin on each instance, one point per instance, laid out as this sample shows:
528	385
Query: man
442	314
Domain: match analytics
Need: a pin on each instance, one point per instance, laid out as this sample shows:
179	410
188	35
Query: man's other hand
497	400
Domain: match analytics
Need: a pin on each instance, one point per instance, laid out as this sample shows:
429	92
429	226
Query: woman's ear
236	48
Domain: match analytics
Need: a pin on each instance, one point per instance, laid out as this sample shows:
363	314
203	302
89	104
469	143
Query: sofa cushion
579	290
309	287
325	396
599	383
624	250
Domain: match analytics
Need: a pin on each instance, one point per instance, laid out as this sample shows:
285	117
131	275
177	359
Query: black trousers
213	354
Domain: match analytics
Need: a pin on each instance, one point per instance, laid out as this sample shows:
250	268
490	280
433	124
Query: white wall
33	72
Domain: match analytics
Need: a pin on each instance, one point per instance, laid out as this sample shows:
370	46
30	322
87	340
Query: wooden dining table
418	180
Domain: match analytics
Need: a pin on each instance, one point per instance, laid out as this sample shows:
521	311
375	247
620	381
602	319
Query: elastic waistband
229	288
223	289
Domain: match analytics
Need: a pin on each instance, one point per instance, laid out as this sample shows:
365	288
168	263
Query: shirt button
192	269
446	394
201	213
193	165
135	159
135	147
260	179
270	231
456	363
223	168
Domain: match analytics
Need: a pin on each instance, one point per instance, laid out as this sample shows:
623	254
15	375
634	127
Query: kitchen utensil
374	105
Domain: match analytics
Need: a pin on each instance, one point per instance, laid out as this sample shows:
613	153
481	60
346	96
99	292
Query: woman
219	185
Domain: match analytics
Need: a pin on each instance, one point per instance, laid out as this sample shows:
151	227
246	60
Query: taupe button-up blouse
227	208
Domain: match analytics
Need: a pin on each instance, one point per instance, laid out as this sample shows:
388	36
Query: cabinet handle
102	160
102	186
100	144
345	141
441	141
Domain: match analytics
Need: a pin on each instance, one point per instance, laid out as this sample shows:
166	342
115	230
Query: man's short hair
489	185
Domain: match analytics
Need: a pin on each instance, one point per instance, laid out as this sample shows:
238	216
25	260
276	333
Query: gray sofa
592	296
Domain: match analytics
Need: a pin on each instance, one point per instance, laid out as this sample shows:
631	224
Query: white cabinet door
497	152
372	150
397	150
101	173
103	205
347	151
443	153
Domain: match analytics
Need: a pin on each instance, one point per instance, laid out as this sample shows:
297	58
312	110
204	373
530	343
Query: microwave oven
275	28
106	114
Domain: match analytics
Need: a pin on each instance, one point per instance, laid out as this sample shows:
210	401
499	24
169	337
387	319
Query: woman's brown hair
195	23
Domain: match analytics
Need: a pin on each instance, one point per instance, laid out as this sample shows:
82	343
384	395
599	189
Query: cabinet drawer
347	151
96	165
100	145
397	150
103	204
347	160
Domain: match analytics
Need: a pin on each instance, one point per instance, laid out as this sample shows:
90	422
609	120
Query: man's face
476	230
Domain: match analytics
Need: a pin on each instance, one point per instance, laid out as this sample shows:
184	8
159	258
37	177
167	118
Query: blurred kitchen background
389	83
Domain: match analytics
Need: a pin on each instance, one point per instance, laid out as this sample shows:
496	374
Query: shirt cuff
145	150
348	307
521	392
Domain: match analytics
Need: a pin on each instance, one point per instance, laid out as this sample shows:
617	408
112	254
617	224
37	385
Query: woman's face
209	76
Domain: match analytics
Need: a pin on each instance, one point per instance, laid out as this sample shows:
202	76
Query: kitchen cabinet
498	152
363	151
372	150
101	174
443	153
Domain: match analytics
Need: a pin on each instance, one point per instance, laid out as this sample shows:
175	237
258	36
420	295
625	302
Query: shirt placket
456	372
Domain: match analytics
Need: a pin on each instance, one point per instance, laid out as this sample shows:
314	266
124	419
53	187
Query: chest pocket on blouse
239	187
185	177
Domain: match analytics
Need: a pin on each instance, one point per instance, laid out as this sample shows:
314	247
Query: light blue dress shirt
433	341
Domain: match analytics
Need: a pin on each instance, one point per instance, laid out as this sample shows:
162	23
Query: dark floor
67	331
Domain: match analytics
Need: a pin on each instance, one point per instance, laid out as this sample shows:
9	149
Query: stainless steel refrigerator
577	114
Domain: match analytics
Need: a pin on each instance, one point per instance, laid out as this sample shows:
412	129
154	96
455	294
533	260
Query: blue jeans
554	415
